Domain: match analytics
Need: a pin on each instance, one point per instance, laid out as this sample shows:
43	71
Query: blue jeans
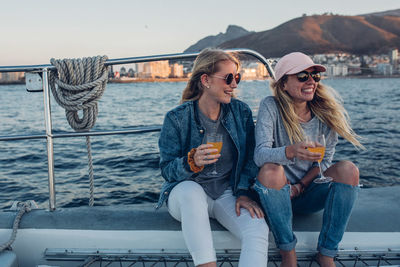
336	199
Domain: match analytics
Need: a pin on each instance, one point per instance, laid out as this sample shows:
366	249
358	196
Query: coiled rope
24	207
77	85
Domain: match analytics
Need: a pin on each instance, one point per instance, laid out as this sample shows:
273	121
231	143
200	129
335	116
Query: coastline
12	82
152	80
366	76
147	80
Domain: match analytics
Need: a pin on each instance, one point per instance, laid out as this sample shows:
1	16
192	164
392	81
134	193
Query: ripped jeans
336	199
189	204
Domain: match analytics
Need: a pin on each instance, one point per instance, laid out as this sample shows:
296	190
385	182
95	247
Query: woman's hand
299	150
203	157
250	205
295	190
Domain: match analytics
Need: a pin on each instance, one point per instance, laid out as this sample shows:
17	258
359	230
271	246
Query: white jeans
189	204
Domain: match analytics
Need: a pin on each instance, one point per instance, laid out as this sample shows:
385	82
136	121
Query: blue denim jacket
182	131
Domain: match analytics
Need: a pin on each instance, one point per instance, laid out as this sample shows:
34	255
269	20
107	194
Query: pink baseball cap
294	63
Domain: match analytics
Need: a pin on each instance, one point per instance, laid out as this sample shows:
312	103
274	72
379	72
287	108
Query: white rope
77	85
24	207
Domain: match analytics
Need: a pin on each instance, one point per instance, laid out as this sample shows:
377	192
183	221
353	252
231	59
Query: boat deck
376	210
134	230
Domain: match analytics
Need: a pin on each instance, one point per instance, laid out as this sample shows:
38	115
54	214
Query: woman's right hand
299	150
203	155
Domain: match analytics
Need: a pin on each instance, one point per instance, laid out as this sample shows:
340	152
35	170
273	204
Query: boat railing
37	76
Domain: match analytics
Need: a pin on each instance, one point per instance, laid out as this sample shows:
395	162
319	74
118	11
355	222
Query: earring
208	87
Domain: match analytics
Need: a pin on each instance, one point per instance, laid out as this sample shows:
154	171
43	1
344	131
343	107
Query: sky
33	32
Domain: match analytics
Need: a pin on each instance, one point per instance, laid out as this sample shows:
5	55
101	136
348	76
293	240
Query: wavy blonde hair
326	105
205	63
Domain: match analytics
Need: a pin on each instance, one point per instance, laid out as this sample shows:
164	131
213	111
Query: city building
154	69
122	72
131	73
177	70
338	65
336	70
9	77
253	70
262	71
394	56
384	69
249	73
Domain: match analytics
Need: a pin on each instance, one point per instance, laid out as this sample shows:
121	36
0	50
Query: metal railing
49	136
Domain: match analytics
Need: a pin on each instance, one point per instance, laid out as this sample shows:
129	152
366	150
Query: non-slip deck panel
376	210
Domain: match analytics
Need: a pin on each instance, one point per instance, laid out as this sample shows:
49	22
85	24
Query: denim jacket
182	131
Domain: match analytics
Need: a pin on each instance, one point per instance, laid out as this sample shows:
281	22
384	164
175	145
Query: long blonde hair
205	63
326	105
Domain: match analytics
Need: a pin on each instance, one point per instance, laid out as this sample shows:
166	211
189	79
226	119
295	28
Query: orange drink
214	139
321	142
319	149
217	145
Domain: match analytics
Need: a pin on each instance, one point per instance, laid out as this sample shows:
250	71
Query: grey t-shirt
215	185
271	140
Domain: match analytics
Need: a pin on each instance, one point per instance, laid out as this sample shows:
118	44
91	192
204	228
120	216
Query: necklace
305	117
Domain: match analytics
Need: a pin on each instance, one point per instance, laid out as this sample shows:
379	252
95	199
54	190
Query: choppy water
126	166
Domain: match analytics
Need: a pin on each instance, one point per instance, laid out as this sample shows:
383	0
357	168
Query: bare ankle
289	258
209	264
325	261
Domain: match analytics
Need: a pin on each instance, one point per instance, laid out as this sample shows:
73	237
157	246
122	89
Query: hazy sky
32	32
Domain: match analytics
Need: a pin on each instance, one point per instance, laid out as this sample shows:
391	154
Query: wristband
295	187
302	184
193	167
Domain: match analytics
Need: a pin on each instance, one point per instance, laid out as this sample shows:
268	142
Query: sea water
126	166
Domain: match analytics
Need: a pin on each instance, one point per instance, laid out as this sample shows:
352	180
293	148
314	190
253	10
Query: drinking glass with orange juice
320	144
215	140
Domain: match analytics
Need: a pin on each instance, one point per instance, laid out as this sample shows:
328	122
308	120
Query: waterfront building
122	72
9	77
354	68
154	69
394	59
262	71
384	69
336	70
177	70
131	72
249	73
253	70
394	56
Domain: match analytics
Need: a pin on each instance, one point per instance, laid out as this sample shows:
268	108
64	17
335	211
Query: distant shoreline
11	82
150	80
147	80
368	76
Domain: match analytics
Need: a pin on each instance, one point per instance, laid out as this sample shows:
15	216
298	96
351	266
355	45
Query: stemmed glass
215	140
320	145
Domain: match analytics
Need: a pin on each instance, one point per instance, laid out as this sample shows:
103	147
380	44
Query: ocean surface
126	166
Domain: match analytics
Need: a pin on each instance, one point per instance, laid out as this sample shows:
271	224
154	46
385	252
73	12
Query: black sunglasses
229	78
304	75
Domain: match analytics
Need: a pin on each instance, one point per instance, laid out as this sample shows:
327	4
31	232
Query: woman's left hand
295	190
250	205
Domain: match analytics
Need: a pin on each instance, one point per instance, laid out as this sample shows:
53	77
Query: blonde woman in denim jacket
193	192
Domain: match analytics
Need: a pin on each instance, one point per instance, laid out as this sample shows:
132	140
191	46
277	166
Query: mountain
232	32
394	12
325	34
318	34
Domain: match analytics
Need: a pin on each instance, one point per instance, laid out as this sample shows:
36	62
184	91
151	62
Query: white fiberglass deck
374	226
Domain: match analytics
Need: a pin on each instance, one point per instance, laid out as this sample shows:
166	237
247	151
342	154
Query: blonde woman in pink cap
288	124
